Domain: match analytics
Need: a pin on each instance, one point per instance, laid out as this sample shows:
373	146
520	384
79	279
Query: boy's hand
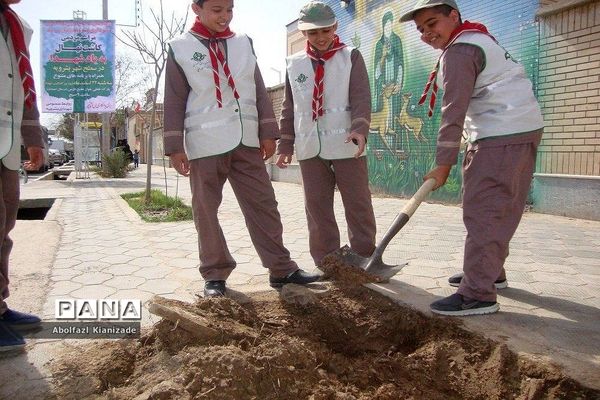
440	174
36	159
267	148
181	163
283	160
358	140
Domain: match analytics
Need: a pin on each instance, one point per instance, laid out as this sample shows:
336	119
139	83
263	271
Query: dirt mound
346	342
334	268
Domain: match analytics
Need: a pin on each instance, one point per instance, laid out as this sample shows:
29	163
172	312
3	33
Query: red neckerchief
216	55
462	28
317	101
18	40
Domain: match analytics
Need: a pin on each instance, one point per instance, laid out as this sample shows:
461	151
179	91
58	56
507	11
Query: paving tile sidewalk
551	310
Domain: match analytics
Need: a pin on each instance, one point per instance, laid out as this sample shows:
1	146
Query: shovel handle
402	218
412	205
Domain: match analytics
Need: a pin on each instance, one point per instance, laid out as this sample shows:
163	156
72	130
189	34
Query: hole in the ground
343	343
34	209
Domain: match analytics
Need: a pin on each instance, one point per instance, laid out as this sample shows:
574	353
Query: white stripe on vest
326	136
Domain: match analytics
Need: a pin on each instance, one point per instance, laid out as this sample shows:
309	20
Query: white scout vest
210	130
11	101
326	136
503	102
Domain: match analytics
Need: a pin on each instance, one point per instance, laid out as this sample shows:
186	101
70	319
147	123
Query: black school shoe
10	340
457	305
299	277
455	280
214	289
20	321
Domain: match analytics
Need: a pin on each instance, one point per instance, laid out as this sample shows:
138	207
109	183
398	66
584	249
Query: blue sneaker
9	339
457	305
20	321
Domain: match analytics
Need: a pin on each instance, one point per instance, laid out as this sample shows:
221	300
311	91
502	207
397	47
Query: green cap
422	4
316	15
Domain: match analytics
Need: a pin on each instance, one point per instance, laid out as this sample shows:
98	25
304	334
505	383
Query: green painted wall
401	146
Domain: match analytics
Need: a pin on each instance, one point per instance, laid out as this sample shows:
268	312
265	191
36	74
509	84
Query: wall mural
401	146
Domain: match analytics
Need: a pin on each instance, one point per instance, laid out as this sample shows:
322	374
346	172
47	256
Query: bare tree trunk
149	155
153	50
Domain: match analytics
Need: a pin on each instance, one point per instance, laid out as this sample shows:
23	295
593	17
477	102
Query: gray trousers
497	174
9	206
246	172
319	178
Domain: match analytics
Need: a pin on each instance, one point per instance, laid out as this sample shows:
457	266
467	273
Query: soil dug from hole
347	342
334	268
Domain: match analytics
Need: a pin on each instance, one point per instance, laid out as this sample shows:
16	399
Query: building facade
567	180
138	128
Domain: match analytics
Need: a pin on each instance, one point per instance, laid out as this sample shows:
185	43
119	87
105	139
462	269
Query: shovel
374	265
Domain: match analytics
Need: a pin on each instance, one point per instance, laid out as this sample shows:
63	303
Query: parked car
56	157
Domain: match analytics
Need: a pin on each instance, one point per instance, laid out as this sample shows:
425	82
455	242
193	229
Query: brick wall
296	40
276	95
553	6
569	89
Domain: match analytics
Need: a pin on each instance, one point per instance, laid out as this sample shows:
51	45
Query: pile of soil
335	268
345	342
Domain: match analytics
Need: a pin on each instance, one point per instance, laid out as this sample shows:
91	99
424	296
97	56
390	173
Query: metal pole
105	145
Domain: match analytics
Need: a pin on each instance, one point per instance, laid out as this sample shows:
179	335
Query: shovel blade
349	257
384	271
373	265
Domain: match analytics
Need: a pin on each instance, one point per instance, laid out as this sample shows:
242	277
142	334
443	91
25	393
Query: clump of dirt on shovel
334	268
346	342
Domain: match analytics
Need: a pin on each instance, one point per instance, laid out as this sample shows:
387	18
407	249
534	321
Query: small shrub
114	165
161	208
